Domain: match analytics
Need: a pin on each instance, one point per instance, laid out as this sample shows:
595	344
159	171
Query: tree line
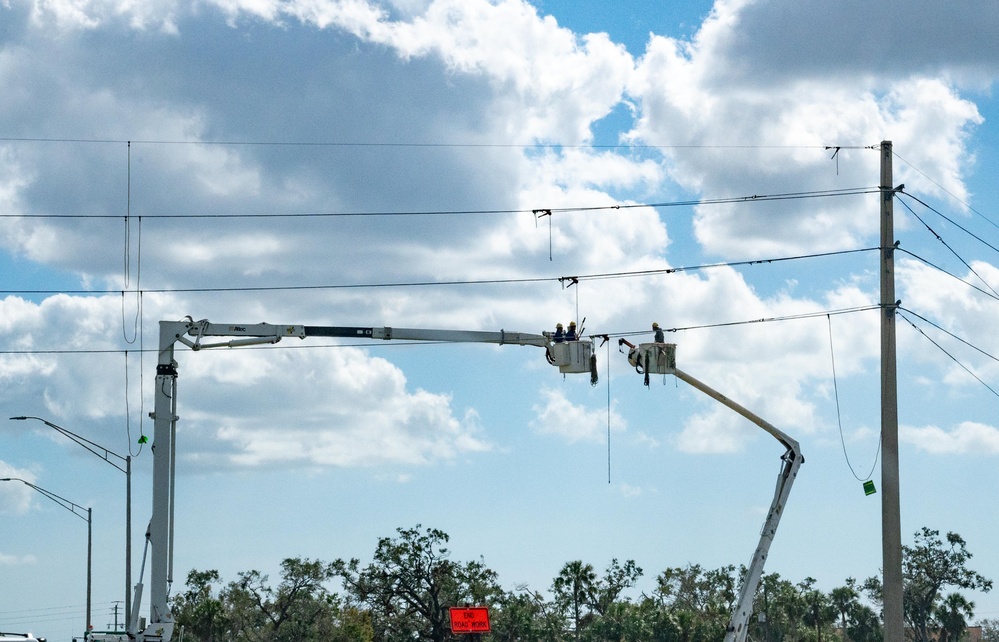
405	592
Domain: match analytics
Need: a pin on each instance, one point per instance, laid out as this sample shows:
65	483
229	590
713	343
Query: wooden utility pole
891	529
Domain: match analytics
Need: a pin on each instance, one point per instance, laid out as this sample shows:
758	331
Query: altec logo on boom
469	619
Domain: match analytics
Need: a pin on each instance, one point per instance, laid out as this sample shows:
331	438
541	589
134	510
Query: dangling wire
136	335
607	343
128	413
577	304
128	256
839	419
538	214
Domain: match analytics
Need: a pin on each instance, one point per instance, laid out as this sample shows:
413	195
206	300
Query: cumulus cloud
359	412
727	127
966	438
704	94
15	497
557	415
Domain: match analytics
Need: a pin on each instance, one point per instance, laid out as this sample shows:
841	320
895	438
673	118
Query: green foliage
405	592
928	567
299	609
990	630
199	609
411	584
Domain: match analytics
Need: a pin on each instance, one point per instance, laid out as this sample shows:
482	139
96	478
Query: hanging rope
839	418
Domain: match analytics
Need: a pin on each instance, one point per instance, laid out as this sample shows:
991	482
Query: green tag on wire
869	487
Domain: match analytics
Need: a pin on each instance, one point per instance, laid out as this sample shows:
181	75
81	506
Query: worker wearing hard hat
559	335
570	334
659	338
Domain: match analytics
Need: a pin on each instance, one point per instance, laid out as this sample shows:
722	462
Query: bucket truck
569	356
660	358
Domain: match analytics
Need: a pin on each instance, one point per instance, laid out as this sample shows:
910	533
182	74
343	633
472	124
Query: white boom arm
568	356
660	358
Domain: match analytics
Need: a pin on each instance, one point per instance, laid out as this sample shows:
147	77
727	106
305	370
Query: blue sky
466	115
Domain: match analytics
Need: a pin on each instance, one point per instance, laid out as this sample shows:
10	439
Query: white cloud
91	14
630	491
459	78
716	431
15	497
17	560
966	438
356	411
698	94
556	415
359	411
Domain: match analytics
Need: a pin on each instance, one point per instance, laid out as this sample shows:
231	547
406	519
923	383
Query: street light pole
106	455
71	507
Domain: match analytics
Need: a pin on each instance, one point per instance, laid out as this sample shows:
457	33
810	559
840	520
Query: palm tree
573	588
953	614
843	600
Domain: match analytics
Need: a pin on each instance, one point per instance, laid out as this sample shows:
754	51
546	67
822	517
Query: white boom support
568	356
660	358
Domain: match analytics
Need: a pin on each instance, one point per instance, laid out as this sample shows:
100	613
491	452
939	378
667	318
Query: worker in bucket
659	338
559	335
570	334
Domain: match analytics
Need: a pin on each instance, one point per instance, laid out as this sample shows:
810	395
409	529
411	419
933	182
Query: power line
947	245
855	191
454	282
727	324
944	190
400	144
285	346
952	357
951	334
991	295
949	220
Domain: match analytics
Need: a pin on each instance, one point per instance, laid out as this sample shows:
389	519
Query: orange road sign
469	619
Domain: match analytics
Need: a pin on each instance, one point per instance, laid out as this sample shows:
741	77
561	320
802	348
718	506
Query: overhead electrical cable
726	324
586	208
952	357
393	344
470	282
948	219
948	246
950	334
943	271
278	143
943	189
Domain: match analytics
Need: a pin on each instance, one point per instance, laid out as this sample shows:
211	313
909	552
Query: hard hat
572	323
558	325
655	325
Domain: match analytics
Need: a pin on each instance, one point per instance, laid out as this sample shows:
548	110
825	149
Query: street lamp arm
62	501
71	507
95	448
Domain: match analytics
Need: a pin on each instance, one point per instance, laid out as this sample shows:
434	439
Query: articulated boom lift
660	358
569	356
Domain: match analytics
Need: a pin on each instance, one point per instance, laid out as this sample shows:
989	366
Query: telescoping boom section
660	358
569	356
